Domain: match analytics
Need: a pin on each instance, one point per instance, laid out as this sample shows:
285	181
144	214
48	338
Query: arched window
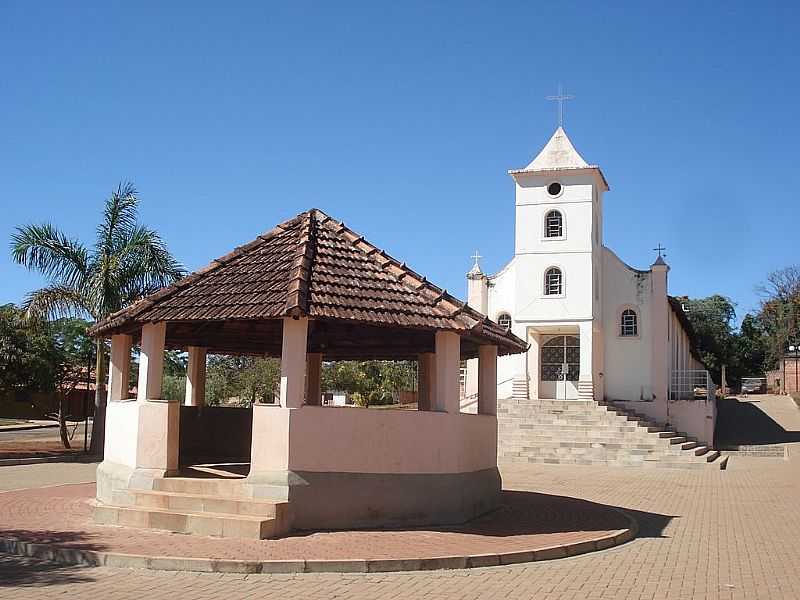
553	224
504	320
553	282
628	323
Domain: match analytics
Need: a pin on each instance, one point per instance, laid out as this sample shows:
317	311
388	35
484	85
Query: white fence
691	385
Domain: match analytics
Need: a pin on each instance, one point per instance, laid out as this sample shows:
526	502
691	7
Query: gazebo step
205	523
219	487
177	501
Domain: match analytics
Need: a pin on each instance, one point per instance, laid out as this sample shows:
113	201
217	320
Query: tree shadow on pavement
741	423
20	571
523	513
28	571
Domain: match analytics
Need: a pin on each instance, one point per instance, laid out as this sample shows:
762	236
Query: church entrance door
560	368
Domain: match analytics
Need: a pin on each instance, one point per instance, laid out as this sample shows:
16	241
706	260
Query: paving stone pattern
706	533
526	521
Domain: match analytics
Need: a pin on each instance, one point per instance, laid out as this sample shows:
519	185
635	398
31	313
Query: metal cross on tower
560	98
477	258
660	249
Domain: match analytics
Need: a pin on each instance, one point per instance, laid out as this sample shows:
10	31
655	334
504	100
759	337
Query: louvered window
629	323
553	224
553	282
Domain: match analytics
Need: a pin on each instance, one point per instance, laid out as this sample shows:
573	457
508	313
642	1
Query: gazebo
310	290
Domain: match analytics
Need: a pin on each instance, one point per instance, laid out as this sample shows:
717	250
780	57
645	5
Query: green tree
247	379
372	382
712	319
127	261
780	312
752	347
42	356
25	352
72	352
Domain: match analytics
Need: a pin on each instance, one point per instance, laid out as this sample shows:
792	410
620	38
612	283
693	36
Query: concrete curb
76	457
75	556
27	426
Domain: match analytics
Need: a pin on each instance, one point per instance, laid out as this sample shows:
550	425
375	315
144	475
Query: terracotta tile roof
311	266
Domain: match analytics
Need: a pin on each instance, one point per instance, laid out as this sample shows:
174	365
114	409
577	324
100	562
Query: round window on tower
554	189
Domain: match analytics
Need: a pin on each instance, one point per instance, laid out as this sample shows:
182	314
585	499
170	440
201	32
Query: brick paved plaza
704	534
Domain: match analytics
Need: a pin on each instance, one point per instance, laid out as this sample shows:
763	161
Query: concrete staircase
519	389
213	507
588	432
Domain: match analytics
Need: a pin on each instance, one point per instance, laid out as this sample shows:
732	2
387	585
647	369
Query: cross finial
477	257
560	97
660	249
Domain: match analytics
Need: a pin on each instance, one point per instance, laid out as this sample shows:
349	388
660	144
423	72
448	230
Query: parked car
754	385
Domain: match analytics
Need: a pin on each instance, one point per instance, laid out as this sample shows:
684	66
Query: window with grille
553	282
553	224
629	325
504	320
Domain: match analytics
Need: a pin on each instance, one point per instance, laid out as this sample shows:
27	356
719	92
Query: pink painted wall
355	440
694	417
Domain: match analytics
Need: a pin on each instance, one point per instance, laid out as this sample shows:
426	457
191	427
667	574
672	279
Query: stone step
588	432
534	424
584	436
597	450
178	501
607	462
205	523
605	416
548	418
227	487
531	423
567	428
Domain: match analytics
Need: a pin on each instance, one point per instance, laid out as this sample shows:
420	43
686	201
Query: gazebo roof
310	266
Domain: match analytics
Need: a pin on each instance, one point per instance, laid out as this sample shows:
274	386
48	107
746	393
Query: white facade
573	318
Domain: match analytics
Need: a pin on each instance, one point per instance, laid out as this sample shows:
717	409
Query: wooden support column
293	362
151	361
314	379
426	380
119	370
196	377
448	355
487	380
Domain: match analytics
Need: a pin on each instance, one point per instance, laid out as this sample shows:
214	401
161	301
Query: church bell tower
558	261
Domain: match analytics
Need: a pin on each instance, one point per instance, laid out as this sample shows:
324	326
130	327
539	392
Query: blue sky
402	119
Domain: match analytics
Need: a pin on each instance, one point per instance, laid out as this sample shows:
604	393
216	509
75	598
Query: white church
598	329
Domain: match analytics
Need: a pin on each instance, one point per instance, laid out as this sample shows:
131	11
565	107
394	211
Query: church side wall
681	358
627	375
501	299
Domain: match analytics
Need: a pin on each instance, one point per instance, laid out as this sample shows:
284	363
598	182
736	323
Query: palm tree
127	261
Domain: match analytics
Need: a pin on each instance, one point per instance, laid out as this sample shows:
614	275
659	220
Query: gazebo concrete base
55	523
306	500
361	500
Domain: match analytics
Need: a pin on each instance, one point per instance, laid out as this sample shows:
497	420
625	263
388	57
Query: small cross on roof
560	98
